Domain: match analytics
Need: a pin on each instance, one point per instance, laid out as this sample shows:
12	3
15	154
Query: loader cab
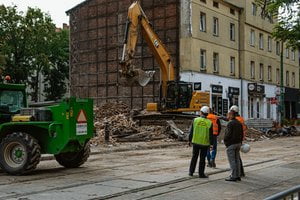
179	95
12	100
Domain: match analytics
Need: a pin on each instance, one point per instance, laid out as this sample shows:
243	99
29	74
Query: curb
137	148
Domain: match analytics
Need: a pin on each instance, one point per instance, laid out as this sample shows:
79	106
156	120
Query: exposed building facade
224	46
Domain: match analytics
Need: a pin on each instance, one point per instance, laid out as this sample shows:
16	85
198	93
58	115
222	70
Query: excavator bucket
133	76
144	77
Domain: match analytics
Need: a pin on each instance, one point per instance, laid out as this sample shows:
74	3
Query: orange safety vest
213	118
242	121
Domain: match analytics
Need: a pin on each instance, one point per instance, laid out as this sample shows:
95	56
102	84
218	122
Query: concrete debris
113	122
176	132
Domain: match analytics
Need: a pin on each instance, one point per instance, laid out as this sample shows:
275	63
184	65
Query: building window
216	26
254	9
203	1
293	54
261	41
277	76
252	38
216	4
202	22
277	48
252	69
293	79
287	52
269	43
232	32
232	65
270	73
202	59
261	72
232	11
216	62
287	78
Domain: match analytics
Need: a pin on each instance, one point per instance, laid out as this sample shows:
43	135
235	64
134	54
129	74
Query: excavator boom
137	20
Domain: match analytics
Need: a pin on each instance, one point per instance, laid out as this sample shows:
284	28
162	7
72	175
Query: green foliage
288	14
32	47
57	74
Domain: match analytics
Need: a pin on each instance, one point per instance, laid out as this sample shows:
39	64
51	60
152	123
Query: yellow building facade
228	48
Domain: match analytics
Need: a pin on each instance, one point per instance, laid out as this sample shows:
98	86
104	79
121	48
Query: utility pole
282	108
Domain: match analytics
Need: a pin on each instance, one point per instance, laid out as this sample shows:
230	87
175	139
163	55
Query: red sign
273	100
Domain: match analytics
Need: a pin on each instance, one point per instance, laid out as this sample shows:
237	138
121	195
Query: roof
78	5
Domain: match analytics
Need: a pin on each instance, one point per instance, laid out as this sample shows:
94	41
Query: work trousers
233	154
202	150
211	155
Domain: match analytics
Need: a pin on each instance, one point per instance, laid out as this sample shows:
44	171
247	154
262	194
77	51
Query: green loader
62	129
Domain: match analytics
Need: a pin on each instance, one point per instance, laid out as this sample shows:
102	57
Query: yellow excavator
176	96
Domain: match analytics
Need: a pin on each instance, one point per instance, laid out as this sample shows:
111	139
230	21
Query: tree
58	73
288	13
31	45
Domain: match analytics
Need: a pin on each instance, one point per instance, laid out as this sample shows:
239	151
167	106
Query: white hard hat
245	148
205	109
234	108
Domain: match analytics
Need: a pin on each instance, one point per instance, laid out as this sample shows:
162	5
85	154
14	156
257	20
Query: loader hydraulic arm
138	20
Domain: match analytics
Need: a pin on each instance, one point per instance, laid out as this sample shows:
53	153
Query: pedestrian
233	140
201	137
211	154
235	109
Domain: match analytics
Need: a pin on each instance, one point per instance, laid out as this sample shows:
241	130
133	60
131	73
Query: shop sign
197	86
234	91
273	100
217	89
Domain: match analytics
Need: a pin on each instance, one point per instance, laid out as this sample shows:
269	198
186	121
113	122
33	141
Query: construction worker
211	155
233	140
235	109
201	136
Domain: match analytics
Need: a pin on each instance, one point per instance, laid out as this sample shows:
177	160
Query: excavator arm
137	20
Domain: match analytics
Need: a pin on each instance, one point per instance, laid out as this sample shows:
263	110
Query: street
271	166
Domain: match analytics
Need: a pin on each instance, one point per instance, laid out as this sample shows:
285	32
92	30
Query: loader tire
20	153
74	159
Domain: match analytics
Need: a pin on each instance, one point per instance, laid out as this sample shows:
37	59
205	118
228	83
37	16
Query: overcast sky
56	8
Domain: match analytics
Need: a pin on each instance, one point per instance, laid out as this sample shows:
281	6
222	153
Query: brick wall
97	31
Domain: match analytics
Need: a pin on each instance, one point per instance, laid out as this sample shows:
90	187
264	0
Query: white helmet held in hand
204	109
234	108
245	148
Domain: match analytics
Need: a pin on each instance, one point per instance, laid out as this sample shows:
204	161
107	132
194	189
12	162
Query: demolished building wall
96	36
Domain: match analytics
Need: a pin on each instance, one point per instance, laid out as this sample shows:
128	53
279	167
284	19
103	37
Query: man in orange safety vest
211	155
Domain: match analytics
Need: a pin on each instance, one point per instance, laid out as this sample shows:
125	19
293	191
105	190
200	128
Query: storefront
216	98
233	96
256	94
291	103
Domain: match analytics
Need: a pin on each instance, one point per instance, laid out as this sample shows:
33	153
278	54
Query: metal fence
290	194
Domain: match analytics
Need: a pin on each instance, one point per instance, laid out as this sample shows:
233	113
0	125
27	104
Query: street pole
281	87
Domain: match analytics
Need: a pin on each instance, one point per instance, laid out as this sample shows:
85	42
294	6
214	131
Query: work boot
209	164
203	176
213	164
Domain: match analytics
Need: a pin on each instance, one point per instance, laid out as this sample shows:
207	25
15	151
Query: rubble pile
114	119
255	135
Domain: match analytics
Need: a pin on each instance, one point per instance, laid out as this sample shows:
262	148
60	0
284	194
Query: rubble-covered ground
115	119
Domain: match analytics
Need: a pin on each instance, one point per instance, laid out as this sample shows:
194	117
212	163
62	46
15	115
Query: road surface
271	166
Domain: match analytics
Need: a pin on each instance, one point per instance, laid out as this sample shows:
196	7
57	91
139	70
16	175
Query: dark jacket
233	133
211	136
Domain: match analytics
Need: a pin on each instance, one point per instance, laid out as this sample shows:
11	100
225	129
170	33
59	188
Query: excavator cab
179	95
